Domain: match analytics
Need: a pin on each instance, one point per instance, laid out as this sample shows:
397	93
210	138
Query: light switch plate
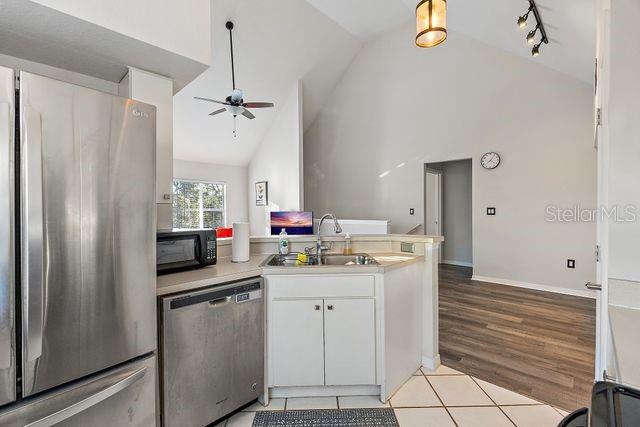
407	247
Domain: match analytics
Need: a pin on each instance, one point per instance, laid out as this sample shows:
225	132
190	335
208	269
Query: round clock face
490	160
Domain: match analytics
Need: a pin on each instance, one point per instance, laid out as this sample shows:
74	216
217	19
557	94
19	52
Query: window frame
201	208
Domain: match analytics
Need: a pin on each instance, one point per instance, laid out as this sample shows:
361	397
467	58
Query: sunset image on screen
293	222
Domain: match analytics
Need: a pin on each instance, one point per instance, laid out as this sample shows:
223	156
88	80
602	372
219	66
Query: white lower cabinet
349	341
329	341
297	358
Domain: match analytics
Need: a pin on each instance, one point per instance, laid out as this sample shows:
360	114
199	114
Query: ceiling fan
234	103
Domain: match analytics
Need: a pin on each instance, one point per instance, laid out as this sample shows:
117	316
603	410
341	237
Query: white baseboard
315	391
431	363
458	263
575	292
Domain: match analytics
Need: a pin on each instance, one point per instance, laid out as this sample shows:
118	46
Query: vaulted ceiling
278	43
275	45
570	24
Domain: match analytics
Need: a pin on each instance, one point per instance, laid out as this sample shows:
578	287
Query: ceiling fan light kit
234	103
431	22
531	36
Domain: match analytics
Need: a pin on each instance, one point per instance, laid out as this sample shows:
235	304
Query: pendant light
431	22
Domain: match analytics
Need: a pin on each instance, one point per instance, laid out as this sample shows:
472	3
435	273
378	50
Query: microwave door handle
32	235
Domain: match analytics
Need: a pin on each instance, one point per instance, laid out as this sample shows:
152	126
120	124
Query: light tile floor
440	398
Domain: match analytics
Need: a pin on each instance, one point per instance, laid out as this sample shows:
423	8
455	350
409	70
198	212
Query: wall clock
490	160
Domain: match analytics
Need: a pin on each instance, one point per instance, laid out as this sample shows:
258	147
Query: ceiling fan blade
222	110
210	100
248	114
257	104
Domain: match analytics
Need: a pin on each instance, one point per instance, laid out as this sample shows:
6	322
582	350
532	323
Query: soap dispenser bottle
347	245
283	243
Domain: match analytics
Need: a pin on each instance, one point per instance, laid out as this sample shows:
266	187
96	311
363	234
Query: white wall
235	178
278	160
456	212
398	107
182	27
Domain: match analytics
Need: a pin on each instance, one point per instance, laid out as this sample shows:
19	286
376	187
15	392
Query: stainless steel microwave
185	250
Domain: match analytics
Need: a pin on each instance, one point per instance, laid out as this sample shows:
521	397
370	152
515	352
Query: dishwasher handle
219	301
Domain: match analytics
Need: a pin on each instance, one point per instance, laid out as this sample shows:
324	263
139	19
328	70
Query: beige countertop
227	271
224	271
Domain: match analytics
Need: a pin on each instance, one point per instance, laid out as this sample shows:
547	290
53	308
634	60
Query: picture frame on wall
262	193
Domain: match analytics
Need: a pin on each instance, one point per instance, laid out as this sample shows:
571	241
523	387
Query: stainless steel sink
356	259
312	260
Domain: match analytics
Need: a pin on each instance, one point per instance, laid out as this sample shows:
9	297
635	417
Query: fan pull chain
235	133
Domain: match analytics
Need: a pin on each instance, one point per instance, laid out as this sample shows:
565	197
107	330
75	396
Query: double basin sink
291	260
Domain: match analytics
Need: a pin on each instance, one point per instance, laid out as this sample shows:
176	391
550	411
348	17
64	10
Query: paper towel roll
240	242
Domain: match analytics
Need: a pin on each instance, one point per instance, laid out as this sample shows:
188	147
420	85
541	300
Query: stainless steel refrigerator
77	255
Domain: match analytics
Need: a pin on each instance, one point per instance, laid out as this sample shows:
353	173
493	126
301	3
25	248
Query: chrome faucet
336	226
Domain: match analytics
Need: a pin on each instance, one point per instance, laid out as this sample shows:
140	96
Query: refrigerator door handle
32	234
111	388
6	193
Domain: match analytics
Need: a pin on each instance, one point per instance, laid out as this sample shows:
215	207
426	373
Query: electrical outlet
412	211
571	263
491	211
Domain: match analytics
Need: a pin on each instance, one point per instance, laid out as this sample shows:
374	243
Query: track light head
536	49
531	36
522	21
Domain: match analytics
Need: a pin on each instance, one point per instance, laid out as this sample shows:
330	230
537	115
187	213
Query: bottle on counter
283	243
347	245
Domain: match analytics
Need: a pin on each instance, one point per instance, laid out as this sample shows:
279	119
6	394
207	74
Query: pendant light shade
431	22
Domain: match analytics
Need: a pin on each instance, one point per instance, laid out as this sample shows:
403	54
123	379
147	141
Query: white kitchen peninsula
353	329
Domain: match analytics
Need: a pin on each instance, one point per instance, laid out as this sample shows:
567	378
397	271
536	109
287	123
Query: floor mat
375	417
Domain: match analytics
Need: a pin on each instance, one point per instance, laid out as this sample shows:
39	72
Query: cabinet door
297	346
350	341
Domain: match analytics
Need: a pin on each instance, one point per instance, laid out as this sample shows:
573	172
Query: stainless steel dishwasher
212	352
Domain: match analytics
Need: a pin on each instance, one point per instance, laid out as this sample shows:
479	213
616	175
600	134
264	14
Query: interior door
349	341
297	332
88	231
618	97
7	300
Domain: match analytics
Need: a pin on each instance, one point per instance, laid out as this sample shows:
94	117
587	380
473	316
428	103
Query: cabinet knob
330	307
317	307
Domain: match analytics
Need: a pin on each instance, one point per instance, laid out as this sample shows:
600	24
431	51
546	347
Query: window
198	204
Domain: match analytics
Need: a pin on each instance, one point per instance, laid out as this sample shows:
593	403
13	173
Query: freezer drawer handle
90	401
219	301
33	231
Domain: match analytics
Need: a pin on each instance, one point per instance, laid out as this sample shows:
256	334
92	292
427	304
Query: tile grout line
558	411
441	401
491	399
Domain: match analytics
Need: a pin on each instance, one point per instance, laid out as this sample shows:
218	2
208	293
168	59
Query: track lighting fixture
531	36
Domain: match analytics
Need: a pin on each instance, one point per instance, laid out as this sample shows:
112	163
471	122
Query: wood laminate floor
539	344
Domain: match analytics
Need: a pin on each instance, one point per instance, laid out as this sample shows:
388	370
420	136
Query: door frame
438	173
601	144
